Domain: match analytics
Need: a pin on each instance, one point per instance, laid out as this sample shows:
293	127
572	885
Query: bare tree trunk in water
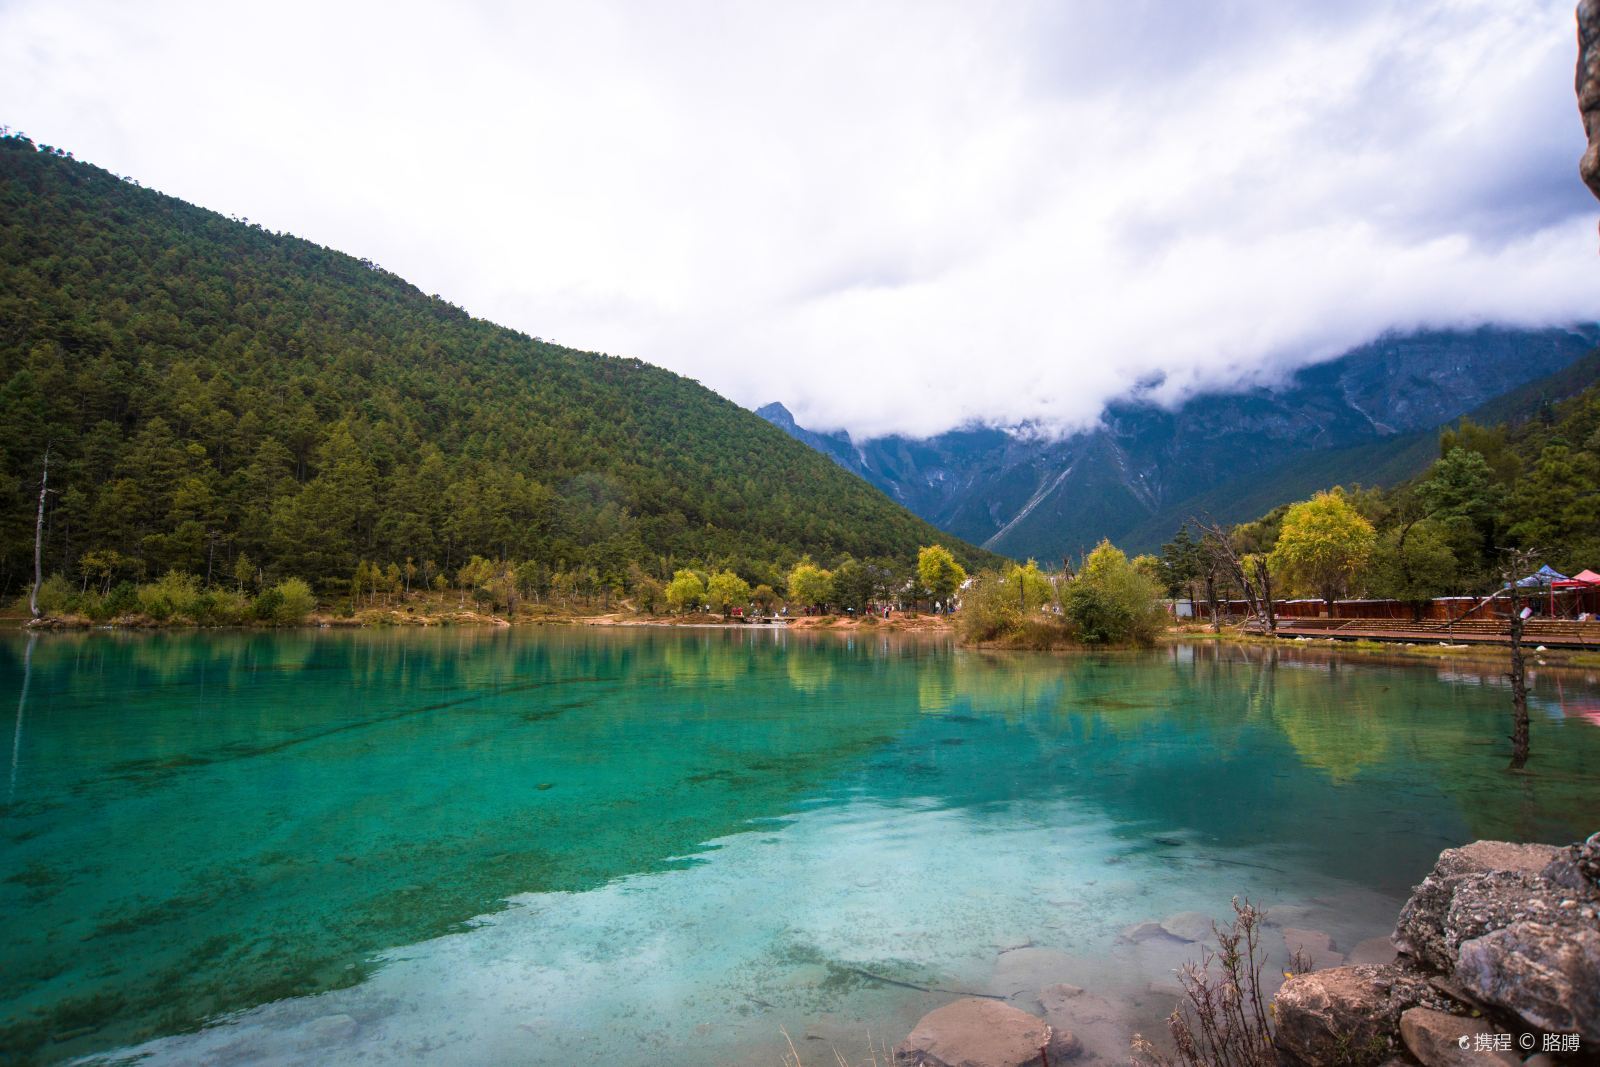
22	706
38	536
1518	675
1211	600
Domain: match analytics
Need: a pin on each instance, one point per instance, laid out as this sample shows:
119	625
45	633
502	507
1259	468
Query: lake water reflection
620	846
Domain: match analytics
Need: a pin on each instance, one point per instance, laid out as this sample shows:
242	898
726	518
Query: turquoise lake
629	846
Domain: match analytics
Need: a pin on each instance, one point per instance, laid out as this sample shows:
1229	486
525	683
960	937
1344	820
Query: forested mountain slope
206	387
1526	477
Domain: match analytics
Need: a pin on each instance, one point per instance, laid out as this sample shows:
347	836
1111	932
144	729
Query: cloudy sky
890	216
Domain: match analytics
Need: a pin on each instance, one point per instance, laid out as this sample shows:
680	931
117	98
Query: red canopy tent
1585	587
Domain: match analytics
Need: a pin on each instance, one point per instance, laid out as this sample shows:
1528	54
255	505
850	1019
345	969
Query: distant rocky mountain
1367	416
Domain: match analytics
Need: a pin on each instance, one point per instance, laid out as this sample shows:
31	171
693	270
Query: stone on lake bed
973	1032
1316	948
1374	950
1059	997
1285	914
1295	937
331	1030
1102	1027
1031	968
1143	932
1189	926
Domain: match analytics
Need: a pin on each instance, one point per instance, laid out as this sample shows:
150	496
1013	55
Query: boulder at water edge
1348	1014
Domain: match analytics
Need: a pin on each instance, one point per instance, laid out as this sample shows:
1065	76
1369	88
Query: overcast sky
891	217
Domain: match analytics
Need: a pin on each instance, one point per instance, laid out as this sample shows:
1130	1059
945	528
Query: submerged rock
1058	998
1374	950
331	1030
1101	1027
1189	926
1314	947
983	1033
1143	932
1031	968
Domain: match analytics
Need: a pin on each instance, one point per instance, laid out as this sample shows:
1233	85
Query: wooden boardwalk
1552	633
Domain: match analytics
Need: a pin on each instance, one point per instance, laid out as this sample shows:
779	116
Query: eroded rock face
1425	930
983	1033
1348	1014
1546	973
1589	88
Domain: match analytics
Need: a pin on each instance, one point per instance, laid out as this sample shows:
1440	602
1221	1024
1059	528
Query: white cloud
895	217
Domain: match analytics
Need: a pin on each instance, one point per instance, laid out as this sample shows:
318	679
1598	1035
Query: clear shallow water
651	846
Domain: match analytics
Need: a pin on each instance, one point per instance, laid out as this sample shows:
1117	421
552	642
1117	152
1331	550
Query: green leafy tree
648	594
939	573
1555	507
1147	565
1324	543
1182	564
854	584
1028	587
810	585
244	571
1413	562
685	591
726	590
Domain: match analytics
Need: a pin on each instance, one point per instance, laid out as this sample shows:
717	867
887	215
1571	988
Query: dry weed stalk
1227	1021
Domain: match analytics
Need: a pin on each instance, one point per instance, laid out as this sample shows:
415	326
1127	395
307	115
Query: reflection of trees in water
22	708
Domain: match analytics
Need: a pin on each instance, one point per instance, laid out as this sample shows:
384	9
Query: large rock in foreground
1348	1014
1548	974
983	1033
1516	928
1427	931
1589	88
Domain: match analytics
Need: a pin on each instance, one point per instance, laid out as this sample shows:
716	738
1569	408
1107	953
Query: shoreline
909	624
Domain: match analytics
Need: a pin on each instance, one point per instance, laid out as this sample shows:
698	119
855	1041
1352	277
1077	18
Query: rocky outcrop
1500	938
1547	973
1349	1014
1482	875
1589	88
973	1032
1499	951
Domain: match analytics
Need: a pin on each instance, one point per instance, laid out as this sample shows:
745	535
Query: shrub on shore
178	597
1113	602
1014	609
1109	602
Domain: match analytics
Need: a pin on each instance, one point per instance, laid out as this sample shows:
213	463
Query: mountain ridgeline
207	388
1371	416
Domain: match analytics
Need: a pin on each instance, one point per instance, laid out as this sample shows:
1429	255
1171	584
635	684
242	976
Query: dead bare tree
1216	545
38	536
1518	562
